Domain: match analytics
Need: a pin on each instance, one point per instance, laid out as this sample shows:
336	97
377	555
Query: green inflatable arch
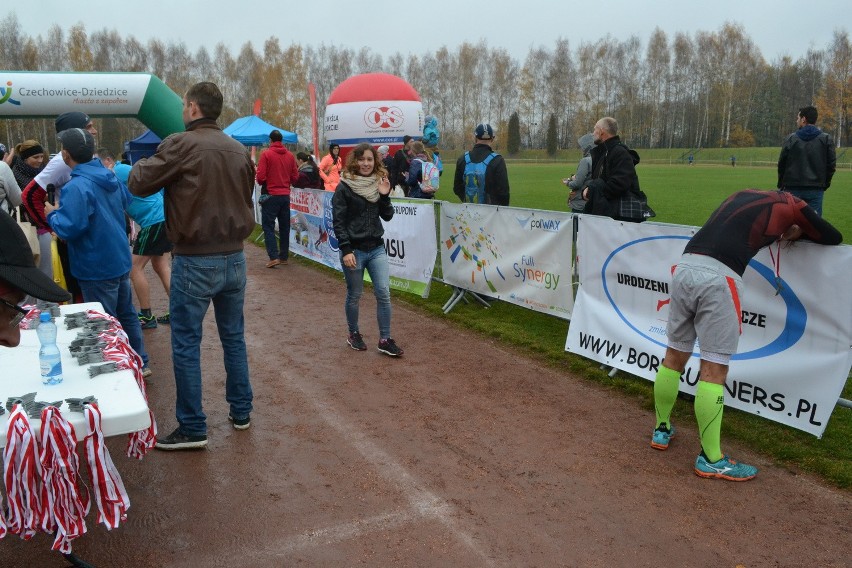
25	94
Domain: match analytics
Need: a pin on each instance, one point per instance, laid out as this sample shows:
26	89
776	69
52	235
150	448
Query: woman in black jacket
309	177
360	203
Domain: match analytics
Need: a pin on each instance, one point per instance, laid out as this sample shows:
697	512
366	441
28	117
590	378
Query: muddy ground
460	453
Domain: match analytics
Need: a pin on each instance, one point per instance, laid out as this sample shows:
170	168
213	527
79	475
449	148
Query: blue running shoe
662	436
726	468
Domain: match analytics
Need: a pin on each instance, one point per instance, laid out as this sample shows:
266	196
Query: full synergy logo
789	333
6	94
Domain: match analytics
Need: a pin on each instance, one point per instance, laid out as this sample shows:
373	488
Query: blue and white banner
409	237
522	256
794	353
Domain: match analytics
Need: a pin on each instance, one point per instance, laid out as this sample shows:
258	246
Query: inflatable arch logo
130	95
788	333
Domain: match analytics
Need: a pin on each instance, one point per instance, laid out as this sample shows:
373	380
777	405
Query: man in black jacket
614	190
496	179
807	160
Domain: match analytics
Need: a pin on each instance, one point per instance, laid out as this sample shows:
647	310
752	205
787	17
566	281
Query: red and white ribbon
118	350
64	508
22	475
109	493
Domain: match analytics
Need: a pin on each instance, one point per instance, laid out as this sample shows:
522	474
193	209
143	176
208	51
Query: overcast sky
778	27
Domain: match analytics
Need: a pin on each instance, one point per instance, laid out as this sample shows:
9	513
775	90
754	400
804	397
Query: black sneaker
177	440
165	319
389	347
356	342
147	322
240	423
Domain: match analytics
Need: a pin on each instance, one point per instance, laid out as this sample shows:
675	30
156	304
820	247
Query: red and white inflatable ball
375	107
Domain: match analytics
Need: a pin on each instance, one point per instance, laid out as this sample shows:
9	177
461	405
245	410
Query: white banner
794	353
522	256
409	237
410	243
28	94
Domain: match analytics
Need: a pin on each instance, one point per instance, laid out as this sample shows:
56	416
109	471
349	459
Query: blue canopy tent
253	131
142	146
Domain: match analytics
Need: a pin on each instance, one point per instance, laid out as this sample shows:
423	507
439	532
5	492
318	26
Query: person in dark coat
614	189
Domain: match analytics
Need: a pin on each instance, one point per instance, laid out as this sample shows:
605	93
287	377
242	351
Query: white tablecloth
123	408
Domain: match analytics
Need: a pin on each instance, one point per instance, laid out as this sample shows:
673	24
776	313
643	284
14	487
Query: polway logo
384	117
6	94
548	225
788	335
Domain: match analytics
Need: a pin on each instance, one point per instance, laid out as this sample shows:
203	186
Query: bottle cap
45	316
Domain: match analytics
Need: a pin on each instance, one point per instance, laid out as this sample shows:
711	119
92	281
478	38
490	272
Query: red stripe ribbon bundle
22	475
109	493
64	508
118	350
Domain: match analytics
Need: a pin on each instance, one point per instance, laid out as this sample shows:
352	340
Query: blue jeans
116	298
376	263
196	280
812	197
276	207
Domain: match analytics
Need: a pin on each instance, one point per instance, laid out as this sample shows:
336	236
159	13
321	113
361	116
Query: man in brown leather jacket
208	179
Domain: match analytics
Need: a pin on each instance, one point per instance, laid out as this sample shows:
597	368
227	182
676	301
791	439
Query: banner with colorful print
522	256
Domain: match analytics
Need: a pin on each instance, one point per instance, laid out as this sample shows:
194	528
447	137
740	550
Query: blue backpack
474	178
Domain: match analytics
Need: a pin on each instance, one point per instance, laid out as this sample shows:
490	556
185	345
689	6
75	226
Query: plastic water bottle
48	356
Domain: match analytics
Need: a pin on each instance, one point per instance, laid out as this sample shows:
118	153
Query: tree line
709	89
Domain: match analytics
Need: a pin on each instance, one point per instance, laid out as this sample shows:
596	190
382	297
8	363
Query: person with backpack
423	174
481	175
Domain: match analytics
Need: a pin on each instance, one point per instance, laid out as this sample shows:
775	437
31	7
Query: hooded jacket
277	169
90	218
807	160
614	186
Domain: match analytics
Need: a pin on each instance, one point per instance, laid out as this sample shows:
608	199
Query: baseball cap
483	132
18	268
74	119
79	144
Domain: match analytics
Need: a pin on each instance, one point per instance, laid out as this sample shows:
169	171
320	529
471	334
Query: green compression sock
666	385
709	404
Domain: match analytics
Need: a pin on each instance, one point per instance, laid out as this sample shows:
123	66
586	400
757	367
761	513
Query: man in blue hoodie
91	220
807	161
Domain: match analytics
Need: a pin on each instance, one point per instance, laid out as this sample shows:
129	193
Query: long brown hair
358	151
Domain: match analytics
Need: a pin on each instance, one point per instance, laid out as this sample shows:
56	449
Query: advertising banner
409	237
522	256
410	243
311	226
794	352
140	95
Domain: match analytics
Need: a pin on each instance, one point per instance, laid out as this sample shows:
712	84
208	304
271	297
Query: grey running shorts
705	305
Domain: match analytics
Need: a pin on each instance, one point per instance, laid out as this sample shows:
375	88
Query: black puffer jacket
357	222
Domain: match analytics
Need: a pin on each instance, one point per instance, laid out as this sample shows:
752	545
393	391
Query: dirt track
461	453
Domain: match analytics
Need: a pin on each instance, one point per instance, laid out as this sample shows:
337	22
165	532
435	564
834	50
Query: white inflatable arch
25	94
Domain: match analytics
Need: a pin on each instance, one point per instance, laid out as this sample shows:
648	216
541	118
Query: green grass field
680	194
